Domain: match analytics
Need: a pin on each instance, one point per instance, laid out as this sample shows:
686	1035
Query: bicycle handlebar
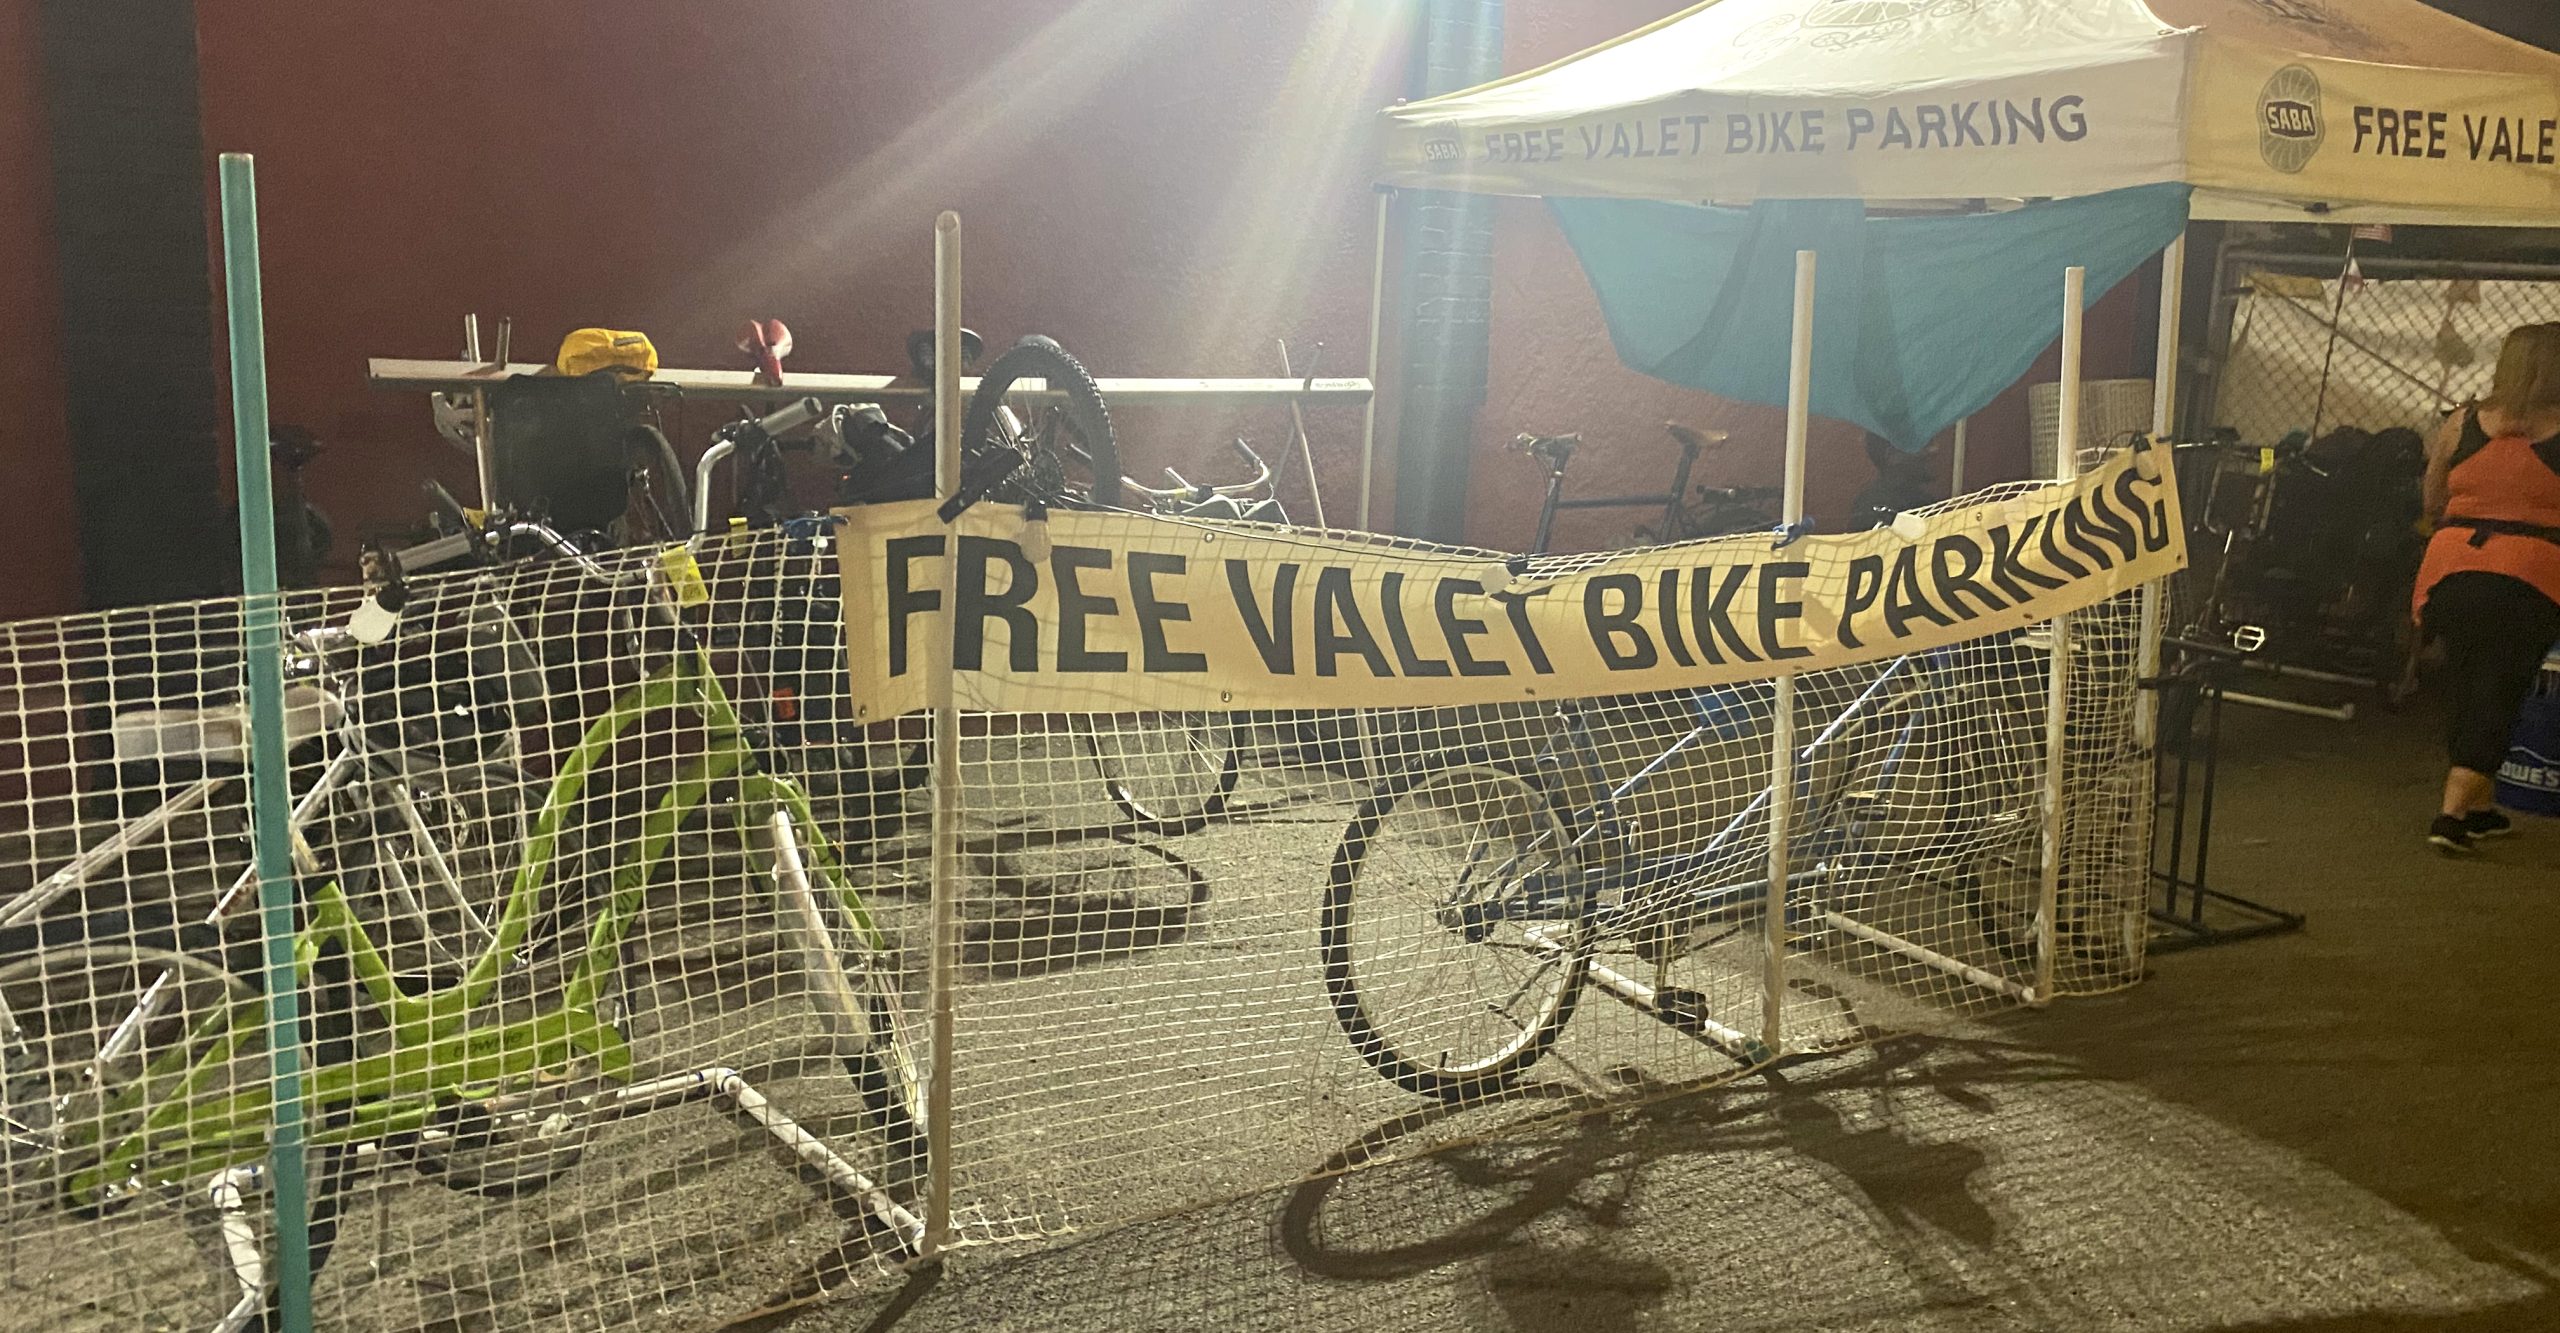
791	416
1185	489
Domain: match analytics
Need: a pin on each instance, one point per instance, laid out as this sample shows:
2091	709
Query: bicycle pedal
1682	1008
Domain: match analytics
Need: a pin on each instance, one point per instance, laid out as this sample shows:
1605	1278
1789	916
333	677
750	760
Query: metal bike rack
2186	915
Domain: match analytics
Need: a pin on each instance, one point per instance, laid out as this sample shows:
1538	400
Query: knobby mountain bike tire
1470	862
1049	471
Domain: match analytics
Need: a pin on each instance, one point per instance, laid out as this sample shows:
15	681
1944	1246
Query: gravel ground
1147	1067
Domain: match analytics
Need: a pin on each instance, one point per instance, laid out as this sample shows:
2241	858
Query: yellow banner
2279	125
1119	613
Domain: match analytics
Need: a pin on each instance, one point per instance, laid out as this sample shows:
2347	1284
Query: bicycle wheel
1170	773
1456	931
1067	452
82	1026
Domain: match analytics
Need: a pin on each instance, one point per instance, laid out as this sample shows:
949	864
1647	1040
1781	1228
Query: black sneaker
2487	824
2451	834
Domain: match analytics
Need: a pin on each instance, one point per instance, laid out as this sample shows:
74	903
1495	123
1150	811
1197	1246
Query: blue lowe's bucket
2530	778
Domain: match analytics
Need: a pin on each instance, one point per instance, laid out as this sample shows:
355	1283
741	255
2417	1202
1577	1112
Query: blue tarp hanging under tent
1919	322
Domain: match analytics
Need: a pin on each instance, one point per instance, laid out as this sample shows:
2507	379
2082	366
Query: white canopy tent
2339	111
2330	110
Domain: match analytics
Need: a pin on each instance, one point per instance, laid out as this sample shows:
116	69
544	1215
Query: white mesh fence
580	1057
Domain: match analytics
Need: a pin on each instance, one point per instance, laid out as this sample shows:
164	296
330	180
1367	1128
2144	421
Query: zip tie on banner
1787	533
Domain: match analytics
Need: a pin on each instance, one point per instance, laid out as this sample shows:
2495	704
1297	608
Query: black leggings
2496	630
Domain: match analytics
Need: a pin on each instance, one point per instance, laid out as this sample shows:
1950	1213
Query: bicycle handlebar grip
790	416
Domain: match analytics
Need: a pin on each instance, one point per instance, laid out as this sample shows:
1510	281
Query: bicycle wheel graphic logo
1837	25
2290	126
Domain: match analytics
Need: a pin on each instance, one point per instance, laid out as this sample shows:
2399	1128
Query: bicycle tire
56	1082
1170	773
1042	474
1363	866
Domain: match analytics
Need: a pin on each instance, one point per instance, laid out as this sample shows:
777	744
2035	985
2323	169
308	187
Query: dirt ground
2347	1128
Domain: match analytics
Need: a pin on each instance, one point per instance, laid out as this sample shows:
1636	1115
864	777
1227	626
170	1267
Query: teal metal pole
262	614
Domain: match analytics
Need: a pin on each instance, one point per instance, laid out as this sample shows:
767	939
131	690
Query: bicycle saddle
920	350
1695	439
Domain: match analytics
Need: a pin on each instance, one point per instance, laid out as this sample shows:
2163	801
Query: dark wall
37	503
1164	185
137	311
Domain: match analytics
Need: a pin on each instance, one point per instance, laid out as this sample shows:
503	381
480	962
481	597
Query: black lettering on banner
1737	134
2070	123
1866	584
2114	528
1711	613
1274	631
2152	514
1075	605
905	599
1775	612
1697	132
1609	626
2080	533
1666	614
1455	629
1862	123
2474	132
2048	545
2009	569
2364	128
1932	119
1154	612
974	606
1339	626
1812	129
1411	664
1590	141
1904	601
1515	606
1955	559
2435	134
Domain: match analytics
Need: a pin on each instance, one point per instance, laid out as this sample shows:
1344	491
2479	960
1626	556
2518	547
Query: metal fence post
947	418
262	616
1782	712
2066	468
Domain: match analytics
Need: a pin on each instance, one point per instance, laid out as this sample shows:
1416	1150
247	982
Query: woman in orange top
2490	585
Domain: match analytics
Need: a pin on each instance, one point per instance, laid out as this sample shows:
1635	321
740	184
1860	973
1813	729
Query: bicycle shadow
1028	916
1506	1199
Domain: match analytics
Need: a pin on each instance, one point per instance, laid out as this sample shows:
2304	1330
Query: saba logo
2289	126
1441	152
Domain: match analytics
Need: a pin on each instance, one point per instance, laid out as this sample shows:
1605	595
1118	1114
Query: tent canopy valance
2339	110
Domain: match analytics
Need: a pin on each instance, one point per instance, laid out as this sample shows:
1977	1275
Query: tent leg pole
2057	703
1377	326
1955	466
1782	729
2164	416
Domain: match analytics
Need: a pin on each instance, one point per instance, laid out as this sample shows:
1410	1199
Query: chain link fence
2312	349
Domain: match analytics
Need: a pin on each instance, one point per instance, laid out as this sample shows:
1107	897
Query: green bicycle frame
174	1124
